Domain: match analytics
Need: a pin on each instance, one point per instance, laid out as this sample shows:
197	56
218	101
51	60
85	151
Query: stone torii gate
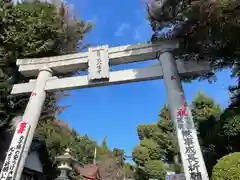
98	61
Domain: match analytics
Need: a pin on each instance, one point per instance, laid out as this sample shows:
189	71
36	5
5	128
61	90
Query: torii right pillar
191	155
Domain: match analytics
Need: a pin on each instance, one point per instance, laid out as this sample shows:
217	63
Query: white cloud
137	34
122	29
142	31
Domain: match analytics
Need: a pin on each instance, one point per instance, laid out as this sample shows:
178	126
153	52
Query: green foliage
83	149
147	150
128	170
161	134
206	115
227	168
230	120
119	154
140	155
58	138
147	157
152	147
156	169
166	137
204	108
38	30
146	131
24	24
216	30
165	122
235	93
103	148
229	131
158	142
104	144
211	32
218	132
140	173
32	30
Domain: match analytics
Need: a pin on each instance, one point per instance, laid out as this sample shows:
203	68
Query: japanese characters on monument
192	155
14	152
98	63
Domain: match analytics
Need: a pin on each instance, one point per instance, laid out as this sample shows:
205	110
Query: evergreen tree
129	171
103	148
33	30
206	115
157	145
166	136
58	137
119	154
211	31
161	137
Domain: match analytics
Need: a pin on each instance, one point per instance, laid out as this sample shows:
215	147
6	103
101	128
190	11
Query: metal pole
191	155
32	114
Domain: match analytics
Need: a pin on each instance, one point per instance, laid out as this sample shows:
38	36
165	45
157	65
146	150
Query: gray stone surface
73	62
116	77
191	155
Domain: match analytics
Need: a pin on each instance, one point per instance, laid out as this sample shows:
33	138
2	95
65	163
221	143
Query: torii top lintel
116	55
97	60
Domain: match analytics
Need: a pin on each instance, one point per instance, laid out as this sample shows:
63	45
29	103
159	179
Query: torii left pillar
31	116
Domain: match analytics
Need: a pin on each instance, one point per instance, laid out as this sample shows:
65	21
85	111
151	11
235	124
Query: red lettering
33	94
22	127
183	111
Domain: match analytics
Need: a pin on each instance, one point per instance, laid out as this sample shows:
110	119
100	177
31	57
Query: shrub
227	168
156	169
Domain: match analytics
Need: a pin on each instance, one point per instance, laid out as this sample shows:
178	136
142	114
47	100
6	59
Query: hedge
227	168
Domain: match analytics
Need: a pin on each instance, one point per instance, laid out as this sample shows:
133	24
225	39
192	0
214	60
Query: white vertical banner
193	162
15	150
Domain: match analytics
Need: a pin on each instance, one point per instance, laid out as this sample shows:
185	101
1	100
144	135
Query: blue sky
116	111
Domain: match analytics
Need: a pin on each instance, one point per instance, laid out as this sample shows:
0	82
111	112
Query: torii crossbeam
98	61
